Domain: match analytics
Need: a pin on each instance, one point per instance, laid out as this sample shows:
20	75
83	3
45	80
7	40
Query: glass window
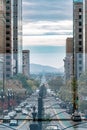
80	68
80	10
80	49
80	36
7	69
80	23
80	62
80	42
80	16
7	63
80	29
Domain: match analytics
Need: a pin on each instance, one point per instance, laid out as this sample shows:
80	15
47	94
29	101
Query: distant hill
37	68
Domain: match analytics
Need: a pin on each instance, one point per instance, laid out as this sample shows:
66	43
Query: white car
51	127
12	114
18	109
24	112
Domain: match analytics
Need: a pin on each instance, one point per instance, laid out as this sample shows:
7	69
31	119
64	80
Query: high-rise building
78	37
68	59
13	37
2	37
26	62
2	26
9	38
17	36
85	33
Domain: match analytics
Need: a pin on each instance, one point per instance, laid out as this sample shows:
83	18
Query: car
6	119
13	123
28	107
5	112
22	105
76	117
12	114
18	109
53	127
24	112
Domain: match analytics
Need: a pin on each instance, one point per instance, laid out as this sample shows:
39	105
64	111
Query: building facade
2	37
26	62
13	37
2	26
85	33
17	36
78	37
9	38
68	59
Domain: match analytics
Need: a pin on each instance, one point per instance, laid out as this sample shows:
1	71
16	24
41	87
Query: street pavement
59	117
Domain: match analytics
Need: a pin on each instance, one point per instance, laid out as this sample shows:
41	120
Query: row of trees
29	84
64	91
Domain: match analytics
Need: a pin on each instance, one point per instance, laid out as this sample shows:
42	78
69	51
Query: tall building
68	59
2	37
2	26
26	62
9	38
17	36
85	33
78	37
13	37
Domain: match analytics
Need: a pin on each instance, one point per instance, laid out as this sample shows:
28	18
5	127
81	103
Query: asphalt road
52	108
60	117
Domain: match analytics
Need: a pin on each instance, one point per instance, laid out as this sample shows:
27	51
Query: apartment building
85	33
2	37
9	38
13	37
17	36
78	37
68	59
2	26
26	62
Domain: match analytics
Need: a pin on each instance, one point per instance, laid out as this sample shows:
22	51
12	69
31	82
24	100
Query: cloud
46	22
54	40
47	10
47	28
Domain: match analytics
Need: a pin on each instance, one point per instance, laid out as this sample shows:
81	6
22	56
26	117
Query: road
58	116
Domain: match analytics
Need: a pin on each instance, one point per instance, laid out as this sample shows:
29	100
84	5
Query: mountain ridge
38	68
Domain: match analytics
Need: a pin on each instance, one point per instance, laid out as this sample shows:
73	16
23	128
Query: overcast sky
46	23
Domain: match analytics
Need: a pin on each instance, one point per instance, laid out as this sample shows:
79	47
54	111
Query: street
53	113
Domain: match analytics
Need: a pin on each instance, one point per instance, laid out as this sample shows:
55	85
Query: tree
55	83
